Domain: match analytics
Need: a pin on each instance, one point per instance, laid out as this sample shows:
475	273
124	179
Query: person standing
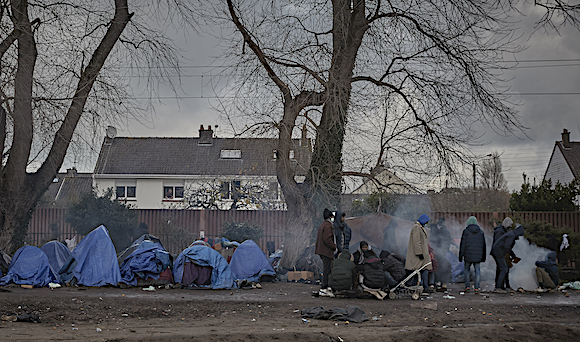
342	232
497	232
472	252
502	247
326	245
418	250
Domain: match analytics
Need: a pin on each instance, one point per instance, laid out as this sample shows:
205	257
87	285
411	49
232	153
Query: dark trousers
503	271
326	268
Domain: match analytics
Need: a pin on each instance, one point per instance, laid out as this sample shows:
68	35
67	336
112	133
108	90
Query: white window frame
231	154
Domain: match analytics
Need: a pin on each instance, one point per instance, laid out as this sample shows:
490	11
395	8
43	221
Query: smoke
523	274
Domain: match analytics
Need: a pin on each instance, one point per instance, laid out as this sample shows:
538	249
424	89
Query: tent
379	229
29	266
249	262
135	244
57	253
93	261
148	264
200	261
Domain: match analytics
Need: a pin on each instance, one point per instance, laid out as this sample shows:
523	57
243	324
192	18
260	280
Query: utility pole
474	194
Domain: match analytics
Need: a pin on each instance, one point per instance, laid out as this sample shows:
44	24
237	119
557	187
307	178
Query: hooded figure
440	237
343	272
394	264
497	232
359	256
418	249
325	245
472	249
547	272
342	232
502	247
372	270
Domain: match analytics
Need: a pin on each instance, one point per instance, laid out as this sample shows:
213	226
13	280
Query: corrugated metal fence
178	228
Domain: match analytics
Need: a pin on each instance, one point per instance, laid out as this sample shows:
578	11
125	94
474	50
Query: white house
163	173
387	182
564	163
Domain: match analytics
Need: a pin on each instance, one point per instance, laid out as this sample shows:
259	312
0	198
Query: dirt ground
273	313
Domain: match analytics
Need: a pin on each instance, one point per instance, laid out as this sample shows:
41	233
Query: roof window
231	154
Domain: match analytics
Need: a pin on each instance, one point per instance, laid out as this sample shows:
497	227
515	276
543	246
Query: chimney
72	172
205	135
566	139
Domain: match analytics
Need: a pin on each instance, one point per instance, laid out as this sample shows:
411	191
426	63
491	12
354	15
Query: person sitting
343	273
393	267
373	276
358	256
547	272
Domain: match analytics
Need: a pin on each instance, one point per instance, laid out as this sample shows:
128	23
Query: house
385	181
196	173
564	165
66	188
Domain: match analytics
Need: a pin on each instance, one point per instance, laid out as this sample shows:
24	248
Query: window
230	190
274	154
273	191
124	192
172	192
225	190
231	154
291	154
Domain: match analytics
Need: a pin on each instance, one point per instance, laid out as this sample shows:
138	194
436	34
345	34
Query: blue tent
94	261
147	260
221	276
29	266
57	254
249	262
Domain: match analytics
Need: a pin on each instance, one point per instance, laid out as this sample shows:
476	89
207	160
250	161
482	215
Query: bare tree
66	68
491	174
330	65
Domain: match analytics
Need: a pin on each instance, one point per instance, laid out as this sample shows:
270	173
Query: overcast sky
546	82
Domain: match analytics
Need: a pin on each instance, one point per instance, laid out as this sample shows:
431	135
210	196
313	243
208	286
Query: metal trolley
415	290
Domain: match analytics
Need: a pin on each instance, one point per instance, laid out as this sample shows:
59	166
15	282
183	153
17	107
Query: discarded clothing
351	314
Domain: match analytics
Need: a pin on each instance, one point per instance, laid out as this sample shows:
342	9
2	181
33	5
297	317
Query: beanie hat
423	219
507	222
471	220
327	214
363	243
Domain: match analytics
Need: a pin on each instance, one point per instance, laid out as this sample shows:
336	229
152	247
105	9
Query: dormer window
274	154
231	154
292	154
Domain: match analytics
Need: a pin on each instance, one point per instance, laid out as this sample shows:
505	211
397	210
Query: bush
92	210
242	231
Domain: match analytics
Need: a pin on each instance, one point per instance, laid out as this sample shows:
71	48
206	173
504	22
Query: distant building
162	173
564	165
385	181
66	189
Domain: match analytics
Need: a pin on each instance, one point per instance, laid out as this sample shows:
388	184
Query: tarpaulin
146	261
249	262
94	261
29	266
57	254
221	277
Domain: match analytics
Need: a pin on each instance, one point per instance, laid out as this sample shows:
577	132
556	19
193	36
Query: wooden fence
178	228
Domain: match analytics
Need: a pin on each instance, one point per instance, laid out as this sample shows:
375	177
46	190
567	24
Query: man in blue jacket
503	246
342	232
547	272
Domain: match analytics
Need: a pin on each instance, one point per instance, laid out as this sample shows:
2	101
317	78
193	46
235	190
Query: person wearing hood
371	269
342	232
343	273
418	250
325	246
502	247
393	266
359	256
497	232
547	272
472	252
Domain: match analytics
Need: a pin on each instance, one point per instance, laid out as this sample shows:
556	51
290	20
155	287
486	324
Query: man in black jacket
472	251
393	267
504	245
547	272
497	232
342	232
343	273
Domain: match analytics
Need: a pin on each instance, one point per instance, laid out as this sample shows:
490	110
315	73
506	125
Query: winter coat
325	240
506	242
342	232
472	246
498	231
434	262
440	238
394	264
551	266
418	244
343	272
372	270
